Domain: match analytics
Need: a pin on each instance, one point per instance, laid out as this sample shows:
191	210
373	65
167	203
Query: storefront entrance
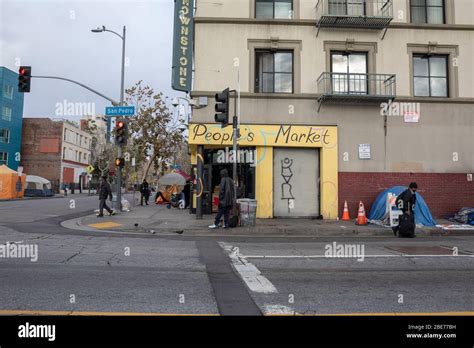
296	182
214	161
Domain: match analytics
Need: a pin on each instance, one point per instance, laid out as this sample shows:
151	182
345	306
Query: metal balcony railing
356	88
367	14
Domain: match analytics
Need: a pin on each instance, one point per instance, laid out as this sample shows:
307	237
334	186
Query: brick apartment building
56	150
341	99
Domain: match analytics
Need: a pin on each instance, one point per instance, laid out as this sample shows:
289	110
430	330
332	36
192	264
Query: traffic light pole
236	126
114	102
120	148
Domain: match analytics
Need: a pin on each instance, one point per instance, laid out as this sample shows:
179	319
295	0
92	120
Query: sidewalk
57	195
157	219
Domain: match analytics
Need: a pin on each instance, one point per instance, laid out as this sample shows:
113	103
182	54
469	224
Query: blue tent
422	212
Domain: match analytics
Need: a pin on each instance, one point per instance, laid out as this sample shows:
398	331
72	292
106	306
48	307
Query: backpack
406	226
234	216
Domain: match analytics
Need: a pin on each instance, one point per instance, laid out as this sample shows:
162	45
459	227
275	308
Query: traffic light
24	79
222	108
120	162
121	132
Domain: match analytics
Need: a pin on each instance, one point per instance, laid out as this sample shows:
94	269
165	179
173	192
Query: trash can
247	211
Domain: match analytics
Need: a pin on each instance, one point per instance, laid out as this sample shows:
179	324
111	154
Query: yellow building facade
284	184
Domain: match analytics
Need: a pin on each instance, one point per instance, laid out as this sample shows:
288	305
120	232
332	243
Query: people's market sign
183	45
264	135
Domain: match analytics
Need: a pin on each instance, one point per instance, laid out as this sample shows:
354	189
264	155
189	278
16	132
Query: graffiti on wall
286	187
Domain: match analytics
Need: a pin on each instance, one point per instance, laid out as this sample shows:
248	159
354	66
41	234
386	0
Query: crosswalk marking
249	273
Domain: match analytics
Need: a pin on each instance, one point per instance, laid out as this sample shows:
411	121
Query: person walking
144	192
226	199
104	192
406	203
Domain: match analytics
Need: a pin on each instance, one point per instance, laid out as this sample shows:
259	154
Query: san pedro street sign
120	111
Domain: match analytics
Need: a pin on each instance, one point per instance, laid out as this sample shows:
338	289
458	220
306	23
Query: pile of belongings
165	195
464	216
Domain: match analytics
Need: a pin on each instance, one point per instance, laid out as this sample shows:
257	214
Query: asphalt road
79	271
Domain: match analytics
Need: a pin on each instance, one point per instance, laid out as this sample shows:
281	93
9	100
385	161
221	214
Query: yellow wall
264	138
264	182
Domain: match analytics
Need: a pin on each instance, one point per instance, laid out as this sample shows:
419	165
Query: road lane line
341	257
249	273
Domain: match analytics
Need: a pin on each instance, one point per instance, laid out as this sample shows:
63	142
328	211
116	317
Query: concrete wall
436	150
214	67
442	141
461	10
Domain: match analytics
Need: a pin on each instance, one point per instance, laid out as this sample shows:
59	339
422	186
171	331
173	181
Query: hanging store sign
182	70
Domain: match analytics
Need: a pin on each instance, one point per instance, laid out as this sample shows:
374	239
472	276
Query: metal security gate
295	182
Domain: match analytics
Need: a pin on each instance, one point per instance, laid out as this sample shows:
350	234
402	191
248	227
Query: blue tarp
38	193
422	212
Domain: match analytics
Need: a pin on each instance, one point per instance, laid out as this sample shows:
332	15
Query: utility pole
236	125
122	101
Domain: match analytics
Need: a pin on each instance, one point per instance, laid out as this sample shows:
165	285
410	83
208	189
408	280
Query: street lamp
122	82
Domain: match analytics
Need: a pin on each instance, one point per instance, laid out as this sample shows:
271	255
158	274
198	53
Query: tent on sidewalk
36	186
9	181
378	212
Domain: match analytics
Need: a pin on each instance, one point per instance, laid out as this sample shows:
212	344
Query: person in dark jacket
144	192
406	203
226	199
104	192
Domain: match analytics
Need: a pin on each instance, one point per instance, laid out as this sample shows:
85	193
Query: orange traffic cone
361	219
345	213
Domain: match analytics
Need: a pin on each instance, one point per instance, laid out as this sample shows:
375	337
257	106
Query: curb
259	232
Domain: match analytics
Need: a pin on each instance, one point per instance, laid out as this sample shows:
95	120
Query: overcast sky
54	37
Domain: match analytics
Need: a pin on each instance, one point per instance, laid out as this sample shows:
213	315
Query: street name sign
120	111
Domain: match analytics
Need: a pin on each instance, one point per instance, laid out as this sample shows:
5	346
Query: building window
8	91
64	153
274	72
347	7
427	11
3	158
6	113
349	72
430	75
65	134
4	135
279	9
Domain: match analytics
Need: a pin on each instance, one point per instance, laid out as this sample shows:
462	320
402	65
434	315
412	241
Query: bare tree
154	133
